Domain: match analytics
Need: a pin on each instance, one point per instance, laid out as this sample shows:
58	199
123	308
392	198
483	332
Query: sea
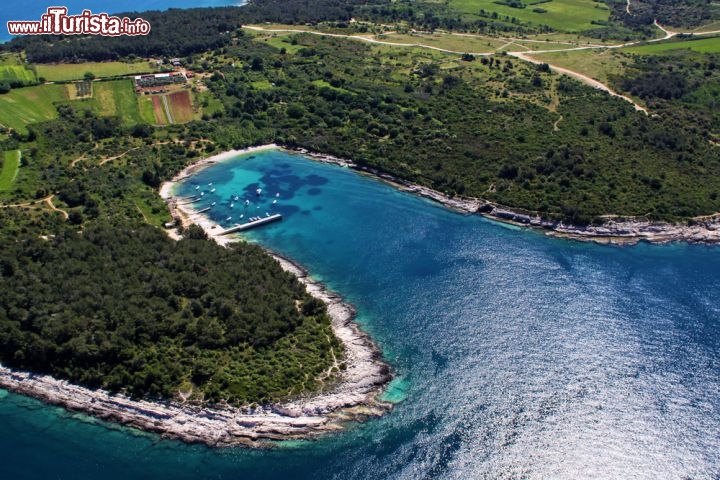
516	355
33	9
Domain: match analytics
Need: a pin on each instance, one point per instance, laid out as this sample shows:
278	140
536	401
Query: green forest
124	308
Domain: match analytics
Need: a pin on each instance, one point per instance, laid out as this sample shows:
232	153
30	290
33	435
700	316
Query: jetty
252	224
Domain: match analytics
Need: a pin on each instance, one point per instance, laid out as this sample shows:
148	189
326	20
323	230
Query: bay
517	355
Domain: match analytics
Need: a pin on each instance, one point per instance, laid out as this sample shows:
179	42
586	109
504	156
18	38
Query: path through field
522	55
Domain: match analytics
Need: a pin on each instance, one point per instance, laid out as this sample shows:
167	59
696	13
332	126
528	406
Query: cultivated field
24	106
10	166
147	113
118	98
564	15
76	71
79	90
180	106
702	45
159	110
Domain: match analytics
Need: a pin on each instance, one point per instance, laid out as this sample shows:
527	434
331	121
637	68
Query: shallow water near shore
518	355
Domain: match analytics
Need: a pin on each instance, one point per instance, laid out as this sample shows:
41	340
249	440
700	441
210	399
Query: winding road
525	55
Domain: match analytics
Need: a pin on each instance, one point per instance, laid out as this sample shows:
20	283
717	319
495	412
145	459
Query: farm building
156	82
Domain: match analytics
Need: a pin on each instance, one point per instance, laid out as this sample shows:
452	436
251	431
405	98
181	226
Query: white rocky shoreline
353	397
616	230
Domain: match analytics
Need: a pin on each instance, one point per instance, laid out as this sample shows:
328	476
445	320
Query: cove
517	355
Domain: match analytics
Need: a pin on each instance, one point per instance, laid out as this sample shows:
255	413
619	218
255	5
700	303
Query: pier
252	224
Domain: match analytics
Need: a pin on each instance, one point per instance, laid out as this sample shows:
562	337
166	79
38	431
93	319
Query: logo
57	22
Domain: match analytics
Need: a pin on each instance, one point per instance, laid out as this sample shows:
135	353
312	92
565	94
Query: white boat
258	191
202	193
213	204
247	202
274	202
212	190
277	195
232	205
241	215
267	214
228	219
197	188
210	184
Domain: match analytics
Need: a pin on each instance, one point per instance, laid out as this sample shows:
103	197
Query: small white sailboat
213	204
258	191
232	205
228	219
274	202
277	195
241	215
197	187
212	190
247	202
202	193
210	184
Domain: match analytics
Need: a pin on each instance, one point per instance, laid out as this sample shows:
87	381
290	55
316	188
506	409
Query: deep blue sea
518	355
33	9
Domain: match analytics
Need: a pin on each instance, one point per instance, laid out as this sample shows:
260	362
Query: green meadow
76	71
702	45
564	15
23	106
13	69
117	98
10	166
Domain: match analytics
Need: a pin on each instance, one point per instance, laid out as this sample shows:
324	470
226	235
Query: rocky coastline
615	230
354	396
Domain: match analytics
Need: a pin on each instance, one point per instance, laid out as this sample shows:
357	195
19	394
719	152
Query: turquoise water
519	356
33	9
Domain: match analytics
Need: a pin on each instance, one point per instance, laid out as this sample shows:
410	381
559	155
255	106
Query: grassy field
702	45
76	71
145	105
261	85
598	64
10	167
564	15
12	68
208	103
278	41
710	27
24	106
117	97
